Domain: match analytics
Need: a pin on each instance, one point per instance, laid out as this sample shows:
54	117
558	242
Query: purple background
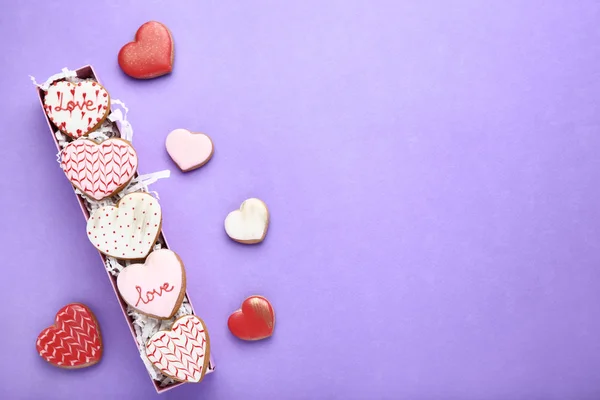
432	169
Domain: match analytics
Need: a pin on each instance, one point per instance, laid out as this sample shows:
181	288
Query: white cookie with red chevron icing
183	353
99	170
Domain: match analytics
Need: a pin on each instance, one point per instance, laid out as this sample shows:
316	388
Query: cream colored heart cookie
129	230
249	224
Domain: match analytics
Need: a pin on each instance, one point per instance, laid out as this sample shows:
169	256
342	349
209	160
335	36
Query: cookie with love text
128	230
189	150
249	224
77	108
155	288
74	341
99	170
182	353
151	54
255	320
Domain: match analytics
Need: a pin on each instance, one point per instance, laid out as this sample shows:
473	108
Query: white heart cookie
249	224
77	108
129	230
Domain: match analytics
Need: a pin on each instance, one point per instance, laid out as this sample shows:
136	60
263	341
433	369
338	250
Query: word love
72	105
155	288
150	294
77	108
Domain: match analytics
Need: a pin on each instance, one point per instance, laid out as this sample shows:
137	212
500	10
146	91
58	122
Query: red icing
74	340
72	105
254	321
150	294
150	55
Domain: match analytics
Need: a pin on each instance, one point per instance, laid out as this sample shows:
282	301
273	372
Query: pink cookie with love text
155	288
99	170
189	150
77	108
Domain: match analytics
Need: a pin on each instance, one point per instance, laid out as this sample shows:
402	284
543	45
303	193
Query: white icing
127	231
248	224
76	108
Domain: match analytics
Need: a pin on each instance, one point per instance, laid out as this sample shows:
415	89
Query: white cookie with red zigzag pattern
183	353
99	170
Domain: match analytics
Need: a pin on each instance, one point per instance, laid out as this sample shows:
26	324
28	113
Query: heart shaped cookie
99	170
155	288
255	320
129	230
183	353
74	340
189	150
249	224
151	54
77	108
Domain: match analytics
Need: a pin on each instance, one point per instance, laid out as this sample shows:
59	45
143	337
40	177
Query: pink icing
154	287
189	150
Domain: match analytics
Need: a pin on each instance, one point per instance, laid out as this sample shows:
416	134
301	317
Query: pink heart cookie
77	108
99	170
129	230
189	150
155	288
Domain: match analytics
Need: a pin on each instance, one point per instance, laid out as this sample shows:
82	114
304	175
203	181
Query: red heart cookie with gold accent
183	353
255	320
99	170
151	54
77	108
74	340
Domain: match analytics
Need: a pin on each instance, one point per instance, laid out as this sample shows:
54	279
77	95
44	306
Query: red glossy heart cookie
74	340
255	320
151	54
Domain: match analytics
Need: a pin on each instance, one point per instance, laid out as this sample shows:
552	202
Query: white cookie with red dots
128	230
77	108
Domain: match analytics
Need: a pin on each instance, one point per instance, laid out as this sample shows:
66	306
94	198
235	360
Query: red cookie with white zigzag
77	108
74	340
183	353
99	170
